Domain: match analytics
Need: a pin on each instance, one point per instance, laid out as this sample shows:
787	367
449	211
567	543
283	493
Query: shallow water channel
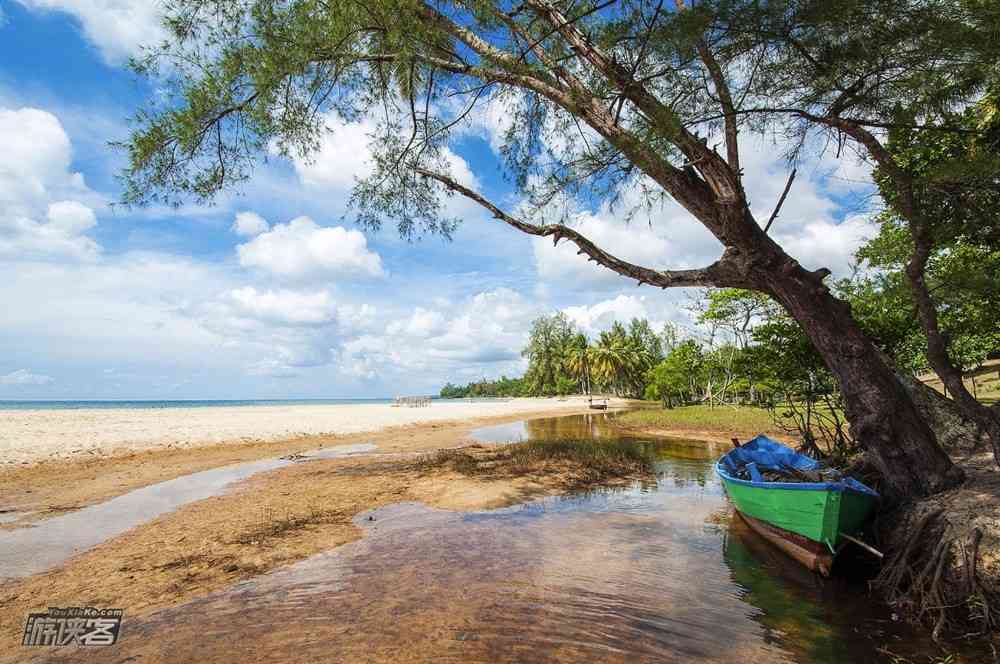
49	543
656	571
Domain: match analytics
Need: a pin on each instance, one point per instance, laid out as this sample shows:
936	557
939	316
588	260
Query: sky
273	291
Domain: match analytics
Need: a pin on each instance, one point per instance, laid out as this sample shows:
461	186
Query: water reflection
649	572
589	425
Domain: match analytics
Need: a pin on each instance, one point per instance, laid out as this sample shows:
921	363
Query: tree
856	69
578	360
548	343
947	250
674	380
601	97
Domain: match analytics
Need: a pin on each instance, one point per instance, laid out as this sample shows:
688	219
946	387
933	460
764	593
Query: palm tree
578	361
610	357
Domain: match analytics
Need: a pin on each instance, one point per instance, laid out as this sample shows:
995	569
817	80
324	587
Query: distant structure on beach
411	402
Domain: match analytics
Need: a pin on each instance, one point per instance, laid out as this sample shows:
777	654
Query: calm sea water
178	403
73	404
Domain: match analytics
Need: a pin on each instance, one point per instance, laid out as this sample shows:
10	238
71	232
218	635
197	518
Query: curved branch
719	274
720	176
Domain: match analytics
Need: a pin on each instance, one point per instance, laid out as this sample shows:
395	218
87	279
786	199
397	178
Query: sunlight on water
658	571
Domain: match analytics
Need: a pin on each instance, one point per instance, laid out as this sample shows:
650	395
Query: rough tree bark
908	207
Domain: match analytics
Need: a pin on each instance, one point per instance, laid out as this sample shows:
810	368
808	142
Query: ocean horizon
152	404
81	404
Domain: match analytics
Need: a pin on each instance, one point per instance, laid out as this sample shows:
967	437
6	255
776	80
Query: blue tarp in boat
764	453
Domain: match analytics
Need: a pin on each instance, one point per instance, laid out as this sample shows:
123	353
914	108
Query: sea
150	404
73	404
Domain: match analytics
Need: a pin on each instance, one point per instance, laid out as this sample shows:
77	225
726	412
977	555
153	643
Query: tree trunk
883	417
937	344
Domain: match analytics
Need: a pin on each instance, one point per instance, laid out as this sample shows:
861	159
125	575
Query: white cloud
250	224
286	307
826	244
598	317
25	238
35	162
422	323
24	377
674	240
303	250
482	335
36	183
343	155
117	27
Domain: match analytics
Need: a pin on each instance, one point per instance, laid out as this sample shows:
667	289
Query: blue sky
273	292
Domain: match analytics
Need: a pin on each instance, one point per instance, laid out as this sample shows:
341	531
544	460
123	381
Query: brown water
654	572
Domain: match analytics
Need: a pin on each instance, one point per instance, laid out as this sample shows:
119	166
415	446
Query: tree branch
719	274
781	201
721	178
725	99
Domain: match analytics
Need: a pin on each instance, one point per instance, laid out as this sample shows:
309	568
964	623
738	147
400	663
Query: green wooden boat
807	520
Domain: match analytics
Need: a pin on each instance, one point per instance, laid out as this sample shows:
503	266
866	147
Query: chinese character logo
84	626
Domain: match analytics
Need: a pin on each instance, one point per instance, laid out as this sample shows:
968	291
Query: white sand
31	435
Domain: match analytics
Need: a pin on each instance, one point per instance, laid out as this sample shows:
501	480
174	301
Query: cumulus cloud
343	155
286	307
60	237
24	377
42	208
304	250
250	224
482	335
672	240
118	28
823	243
598	317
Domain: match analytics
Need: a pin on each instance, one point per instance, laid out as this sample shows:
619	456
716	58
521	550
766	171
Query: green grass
986	379
721	419
592	460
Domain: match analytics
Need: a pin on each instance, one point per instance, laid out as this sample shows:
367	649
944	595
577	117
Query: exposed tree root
937	571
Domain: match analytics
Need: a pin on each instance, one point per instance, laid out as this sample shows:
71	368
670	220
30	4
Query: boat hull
818	514
814	556
805	519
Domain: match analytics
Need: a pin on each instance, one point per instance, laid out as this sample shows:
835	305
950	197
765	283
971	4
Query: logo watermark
85	626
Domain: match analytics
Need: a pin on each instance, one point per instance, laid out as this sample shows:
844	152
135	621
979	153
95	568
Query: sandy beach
28	436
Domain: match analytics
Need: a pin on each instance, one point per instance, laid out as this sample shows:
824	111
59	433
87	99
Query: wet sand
267	521
59	485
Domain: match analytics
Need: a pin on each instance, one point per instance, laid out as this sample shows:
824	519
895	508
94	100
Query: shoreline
30	436
57	485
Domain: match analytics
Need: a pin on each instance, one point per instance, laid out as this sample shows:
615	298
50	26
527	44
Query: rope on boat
870	549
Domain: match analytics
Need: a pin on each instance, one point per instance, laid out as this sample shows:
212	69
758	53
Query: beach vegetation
588	460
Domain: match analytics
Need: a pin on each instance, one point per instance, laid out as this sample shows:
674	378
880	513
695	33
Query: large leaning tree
911	85
596	98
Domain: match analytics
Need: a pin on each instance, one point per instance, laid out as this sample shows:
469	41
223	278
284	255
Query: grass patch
270	525
586	460
721	419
